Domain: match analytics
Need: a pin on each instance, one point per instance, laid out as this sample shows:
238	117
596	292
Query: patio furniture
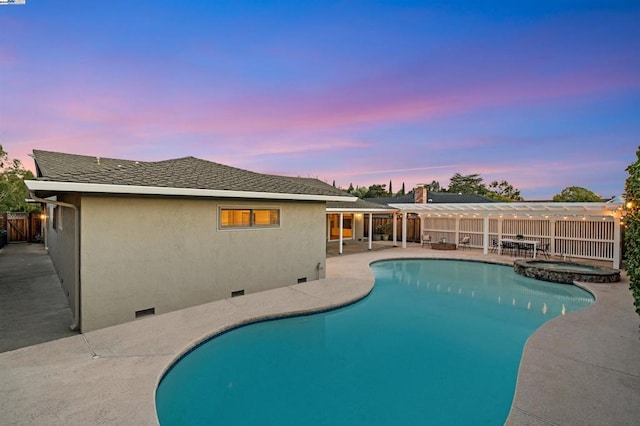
544	250
495	246
507	247
524	249
514	245
444	246
464	242
426	239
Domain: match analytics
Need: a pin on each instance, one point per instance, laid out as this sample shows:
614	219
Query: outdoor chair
464	243
508	247
543	249
524	249
426	239
494	246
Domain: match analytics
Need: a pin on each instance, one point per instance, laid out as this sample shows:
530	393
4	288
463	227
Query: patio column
370	229
552	236
485	235
500	234
395	230
616	242
457	238
340	239
404	229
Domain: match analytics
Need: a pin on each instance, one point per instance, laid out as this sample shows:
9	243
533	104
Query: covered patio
345	223
570	230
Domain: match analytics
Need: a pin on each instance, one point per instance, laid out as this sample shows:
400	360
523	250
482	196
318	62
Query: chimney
420	194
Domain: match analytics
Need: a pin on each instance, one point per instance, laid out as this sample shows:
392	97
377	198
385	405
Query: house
133	238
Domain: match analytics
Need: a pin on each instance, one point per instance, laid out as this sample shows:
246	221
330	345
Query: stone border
536	269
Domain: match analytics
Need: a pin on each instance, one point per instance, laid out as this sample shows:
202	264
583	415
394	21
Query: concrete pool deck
582	368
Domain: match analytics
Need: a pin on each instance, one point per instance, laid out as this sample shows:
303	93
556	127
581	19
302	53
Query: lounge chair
464	243
426	239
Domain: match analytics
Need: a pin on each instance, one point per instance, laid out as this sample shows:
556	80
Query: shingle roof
435	197
359	204
187	172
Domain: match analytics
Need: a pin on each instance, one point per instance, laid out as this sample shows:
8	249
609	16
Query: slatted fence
586	238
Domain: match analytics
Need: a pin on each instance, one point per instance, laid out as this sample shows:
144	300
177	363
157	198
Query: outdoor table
532	242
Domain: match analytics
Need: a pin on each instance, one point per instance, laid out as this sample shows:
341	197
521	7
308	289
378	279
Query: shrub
632	234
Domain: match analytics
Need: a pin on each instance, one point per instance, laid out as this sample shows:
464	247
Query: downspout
76	312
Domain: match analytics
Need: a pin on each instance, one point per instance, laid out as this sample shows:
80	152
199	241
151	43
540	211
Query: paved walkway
33	307
582	368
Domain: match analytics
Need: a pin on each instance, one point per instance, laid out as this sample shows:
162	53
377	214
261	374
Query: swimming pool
436	342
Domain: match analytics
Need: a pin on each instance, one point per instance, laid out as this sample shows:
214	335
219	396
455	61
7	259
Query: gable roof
60	172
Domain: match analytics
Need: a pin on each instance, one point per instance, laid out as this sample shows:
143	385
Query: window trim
56	222
251	225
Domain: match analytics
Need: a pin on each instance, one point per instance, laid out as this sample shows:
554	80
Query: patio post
500	234
370	229
340	239
552	235
616	242
485	235
395	230
404	229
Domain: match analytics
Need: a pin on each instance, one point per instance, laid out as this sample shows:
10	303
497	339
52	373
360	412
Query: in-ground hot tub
565	272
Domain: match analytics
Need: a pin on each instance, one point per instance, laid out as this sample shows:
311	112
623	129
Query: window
334	226
249	218
56	220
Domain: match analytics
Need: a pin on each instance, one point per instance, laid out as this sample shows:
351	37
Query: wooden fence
21	227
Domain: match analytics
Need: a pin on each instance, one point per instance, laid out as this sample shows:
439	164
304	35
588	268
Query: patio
582	368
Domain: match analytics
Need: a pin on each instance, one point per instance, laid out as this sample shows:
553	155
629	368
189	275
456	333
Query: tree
13	191
576	194
390	189
434	186
469	184
402	190
503	191
632	232
377	191
359	191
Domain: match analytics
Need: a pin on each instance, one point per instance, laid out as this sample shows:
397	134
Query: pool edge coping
31	382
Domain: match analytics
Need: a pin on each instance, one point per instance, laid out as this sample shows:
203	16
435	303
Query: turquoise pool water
436	342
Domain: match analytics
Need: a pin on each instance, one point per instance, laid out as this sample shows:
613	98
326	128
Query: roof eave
359	210
551	208
61	187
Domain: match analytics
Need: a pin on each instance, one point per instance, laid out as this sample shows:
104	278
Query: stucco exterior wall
61	245
168	254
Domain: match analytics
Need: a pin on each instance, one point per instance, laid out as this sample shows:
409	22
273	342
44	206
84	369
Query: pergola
547	211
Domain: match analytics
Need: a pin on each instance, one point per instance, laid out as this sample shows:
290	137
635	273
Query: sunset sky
544	94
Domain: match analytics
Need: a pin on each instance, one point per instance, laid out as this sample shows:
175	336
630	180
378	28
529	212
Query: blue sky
544	94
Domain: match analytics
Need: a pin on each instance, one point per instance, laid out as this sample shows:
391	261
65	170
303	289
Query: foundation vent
145	312
237	293
302	280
